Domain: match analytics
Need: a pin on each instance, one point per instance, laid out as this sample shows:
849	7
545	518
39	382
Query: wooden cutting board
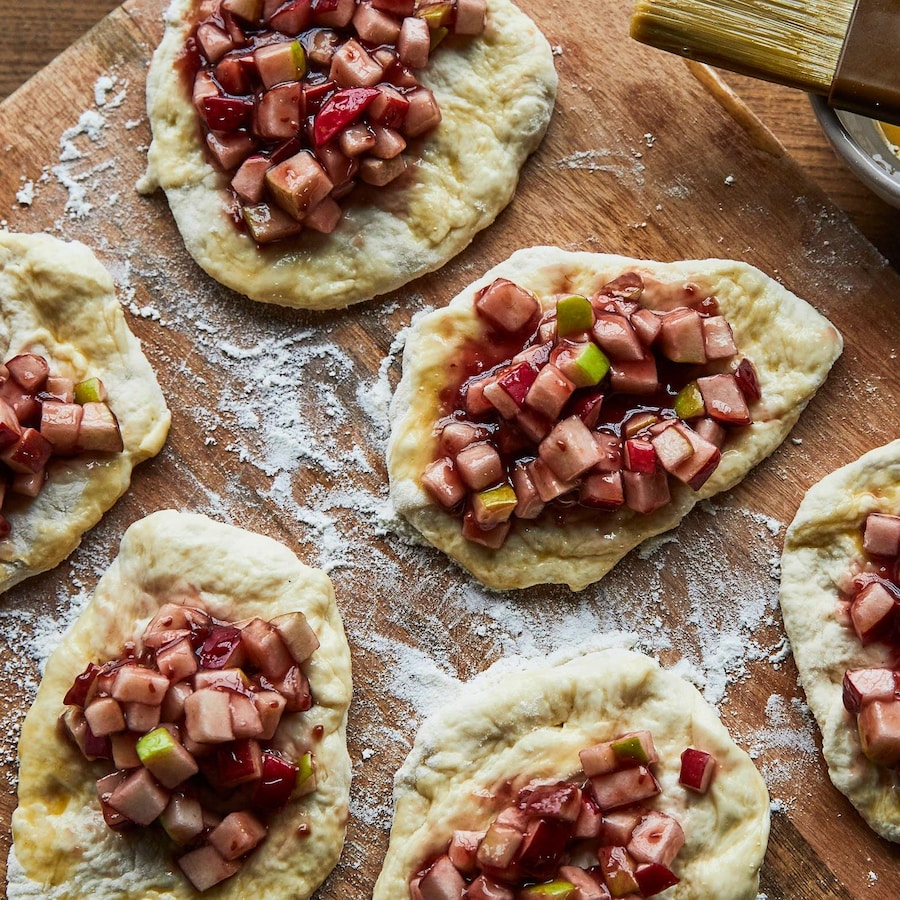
279	419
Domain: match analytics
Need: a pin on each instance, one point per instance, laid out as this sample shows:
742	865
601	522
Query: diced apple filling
559	840
191	712
326	81
601	403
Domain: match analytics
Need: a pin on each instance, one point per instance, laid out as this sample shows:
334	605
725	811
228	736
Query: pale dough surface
56	299
496	94
530	725
791	345
821	543
60	839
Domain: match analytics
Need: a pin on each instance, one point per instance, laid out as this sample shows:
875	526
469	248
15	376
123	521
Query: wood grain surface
645	156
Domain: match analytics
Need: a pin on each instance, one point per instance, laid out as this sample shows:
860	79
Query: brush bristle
793	42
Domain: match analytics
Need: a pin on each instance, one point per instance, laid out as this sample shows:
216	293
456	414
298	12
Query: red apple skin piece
618	870
653	878
697	770
561	802
30	454
748	381
542	847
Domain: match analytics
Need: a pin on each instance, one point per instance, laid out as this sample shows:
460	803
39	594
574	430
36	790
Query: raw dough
530	724
791	345
496	94
59	835
57	300
822	541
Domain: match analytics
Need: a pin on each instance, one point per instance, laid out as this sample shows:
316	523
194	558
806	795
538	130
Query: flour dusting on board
283	400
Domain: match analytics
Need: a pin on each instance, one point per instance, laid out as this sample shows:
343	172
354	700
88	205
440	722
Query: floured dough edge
821	542
58	300
60	838
792	346
530	725
496	94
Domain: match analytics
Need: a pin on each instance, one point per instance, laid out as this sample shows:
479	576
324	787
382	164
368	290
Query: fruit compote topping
598	403
870	606
300	100
569	842
44	416
190	720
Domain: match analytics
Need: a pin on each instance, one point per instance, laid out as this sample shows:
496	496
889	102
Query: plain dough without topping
821	543
57	300
60	839
496	94
530	725
792	346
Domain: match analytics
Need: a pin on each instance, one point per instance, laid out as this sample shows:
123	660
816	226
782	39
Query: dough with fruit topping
495	92
514	727
62	847
822	542
791	346
58	301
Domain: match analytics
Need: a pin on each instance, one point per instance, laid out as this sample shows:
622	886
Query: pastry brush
844	50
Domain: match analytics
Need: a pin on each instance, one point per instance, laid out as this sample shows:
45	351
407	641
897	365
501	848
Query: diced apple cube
356	139
548	486
165	758
470	16
205	867
588	885
485	888
697	770
681	336
207	716
881	536
718	339
140	717
265	648
657	838
237	834
443	482
528	501
646	325
423	113
172	708
138	684
248	10
872	612
463	849
861	686
267	223
442	881
480	466
710	430
29	454
618	870
499	846
569	450
640	456
182	819
624	786
10	428
582	362
879	731
638	377
493	538
724	400
124	753
617	338
549	392
27	484
59	425
105	786
697	468
380	172
229	150
748	380
602	490
672	448
139	798
280	62
388	142
374	27
414	42
99	429
334	13
177	661
493	506
104	716
617	826
506	305
298	184
249	182
353	66
561	802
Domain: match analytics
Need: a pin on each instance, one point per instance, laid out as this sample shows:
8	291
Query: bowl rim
861	163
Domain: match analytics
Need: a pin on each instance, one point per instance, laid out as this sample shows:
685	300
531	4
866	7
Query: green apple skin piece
305	768
558	890
155	745
574	315
689	402
588	367
630	750
90	391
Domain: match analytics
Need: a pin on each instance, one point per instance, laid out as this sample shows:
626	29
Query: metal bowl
863	146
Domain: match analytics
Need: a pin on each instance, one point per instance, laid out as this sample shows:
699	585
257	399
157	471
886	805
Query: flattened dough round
496	94
60	839
792	346
821	542
57	300
531	724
